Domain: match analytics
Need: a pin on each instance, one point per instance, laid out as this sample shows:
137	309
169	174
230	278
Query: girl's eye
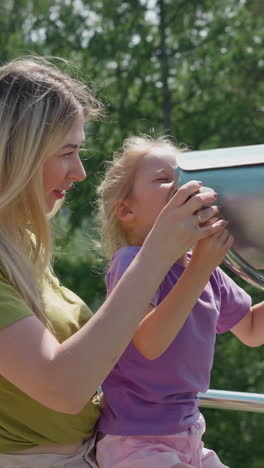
163	179
67	155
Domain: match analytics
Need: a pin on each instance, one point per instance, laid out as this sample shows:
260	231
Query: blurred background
191	68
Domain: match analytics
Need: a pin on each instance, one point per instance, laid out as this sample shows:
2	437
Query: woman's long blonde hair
117	185
38	105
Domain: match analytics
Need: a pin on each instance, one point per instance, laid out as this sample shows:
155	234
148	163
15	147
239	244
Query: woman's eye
67	155
163	179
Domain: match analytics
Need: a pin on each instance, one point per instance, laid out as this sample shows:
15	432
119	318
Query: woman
54	353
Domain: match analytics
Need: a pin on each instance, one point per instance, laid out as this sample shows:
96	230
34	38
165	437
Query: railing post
240	401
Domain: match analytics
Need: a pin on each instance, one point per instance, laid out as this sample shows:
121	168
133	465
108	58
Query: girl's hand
177	228
210	252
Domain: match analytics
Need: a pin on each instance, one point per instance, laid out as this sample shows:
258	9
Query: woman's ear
123	211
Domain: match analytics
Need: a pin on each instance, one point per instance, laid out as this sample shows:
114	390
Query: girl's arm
250	330
162	323
65	376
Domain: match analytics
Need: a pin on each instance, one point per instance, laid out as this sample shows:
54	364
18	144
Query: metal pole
239	401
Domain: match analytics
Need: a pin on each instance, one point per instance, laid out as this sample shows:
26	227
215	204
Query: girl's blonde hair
117	185
38	106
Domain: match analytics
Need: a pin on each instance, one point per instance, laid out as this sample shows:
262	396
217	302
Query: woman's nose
77	172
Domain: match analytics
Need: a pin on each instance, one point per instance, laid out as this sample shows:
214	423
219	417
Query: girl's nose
173	189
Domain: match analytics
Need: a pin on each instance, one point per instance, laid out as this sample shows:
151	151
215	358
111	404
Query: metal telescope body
237	175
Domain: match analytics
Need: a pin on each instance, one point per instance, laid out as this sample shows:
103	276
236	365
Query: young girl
151	416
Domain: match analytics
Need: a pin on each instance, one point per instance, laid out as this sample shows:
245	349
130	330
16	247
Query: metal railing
239	401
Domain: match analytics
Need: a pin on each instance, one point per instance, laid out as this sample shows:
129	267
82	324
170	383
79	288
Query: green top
25	423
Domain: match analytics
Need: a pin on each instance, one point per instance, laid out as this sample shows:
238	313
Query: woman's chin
53	208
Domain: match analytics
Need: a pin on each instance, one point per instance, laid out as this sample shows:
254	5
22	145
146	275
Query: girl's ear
123	211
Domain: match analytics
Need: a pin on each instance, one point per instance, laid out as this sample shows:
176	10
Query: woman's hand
178	227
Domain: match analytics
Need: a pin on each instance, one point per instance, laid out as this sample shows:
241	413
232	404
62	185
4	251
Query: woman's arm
65	376
162	323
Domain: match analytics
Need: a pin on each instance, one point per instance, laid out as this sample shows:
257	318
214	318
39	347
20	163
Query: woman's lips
59	194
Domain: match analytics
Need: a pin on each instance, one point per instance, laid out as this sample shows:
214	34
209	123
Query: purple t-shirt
159	397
